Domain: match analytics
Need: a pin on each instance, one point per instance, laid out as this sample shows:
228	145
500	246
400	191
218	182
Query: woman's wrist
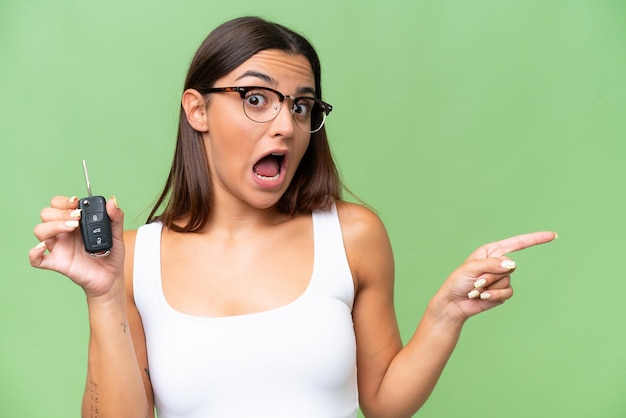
111	296
441	310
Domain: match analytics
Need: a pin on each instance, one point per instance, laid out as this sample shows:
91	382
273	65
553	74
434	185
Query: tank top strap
147	265
331	271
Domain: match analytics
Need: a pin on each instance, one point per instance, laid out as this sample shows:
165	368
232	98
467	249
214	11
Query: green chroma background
460	122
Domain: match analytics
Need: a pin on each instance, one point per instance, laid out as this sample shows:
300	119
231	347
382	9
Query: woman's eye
256	99
302	107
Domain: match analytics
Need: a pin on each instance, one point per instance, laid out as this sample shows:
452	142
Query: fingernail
480	283
75	213
115	202
41	245
485	295
73	199
473	294
508	264
71	224
556	235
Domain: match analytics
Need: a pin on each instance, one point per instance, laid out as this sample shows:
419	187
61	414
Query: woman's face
253	162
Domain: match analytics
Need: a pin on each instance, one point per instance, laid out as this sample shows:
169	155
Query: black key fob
95	225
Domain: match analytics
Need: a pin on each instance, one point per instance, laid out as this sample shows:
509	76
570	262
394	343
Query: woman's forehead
276	67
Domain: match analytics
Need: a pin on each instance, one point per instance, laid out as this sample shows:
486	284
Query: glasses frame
322	106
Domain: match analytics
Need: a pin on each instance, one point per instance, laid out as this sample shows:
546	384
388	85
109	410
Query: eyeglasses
262	104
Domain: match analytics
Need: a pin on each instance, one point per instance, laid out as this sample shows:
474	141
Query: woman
256	291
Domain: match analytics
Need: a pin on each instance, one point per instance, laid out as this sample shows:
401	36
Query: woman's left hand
483	281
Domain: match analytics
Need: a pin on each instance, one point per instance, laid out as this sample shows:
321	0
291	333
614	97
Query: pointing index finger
516	243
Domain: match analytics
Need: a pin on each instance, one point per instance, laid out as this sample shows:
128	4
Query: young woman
254	290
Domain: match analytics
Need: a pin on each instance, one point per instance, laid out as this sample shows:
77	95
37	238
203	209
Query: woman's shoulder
361	227
367	244
358	219
130	236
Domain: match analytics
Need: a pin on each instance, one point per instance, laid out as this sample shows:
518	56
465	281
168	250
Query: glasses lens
308	114
261	105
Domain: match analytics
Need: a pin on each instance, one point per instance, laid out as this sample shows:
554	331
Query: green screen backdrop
460	122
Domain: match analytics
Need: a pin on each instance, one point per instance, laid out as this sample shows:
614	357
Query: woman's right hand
61	247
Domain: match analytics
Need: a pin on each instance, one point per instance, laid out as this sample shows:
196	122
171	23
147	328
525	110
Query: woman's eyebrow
304	90
272	81
257	74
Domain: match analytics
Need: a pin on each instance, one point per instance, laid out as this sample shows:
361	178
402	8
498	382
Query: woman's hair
188	190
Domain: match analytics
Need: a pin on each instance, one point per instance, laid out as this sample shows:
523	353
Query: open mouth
269	167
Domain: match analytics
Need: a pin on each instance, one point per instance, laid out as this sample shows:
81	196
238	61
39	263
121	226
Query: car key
95	225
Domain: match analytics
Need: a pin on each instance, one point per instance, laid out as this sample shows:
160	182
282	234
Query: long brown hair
188	190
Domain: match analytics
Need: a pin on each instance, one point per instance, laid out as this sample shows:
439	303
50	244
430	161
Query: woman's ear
195	109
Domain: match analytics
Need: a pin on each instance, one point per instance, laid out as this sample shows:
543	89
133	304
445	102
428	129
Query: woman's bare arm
115	386
395	381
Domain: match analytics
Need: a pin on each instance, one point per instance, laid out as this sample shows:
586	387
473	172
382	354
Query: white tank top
298	360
